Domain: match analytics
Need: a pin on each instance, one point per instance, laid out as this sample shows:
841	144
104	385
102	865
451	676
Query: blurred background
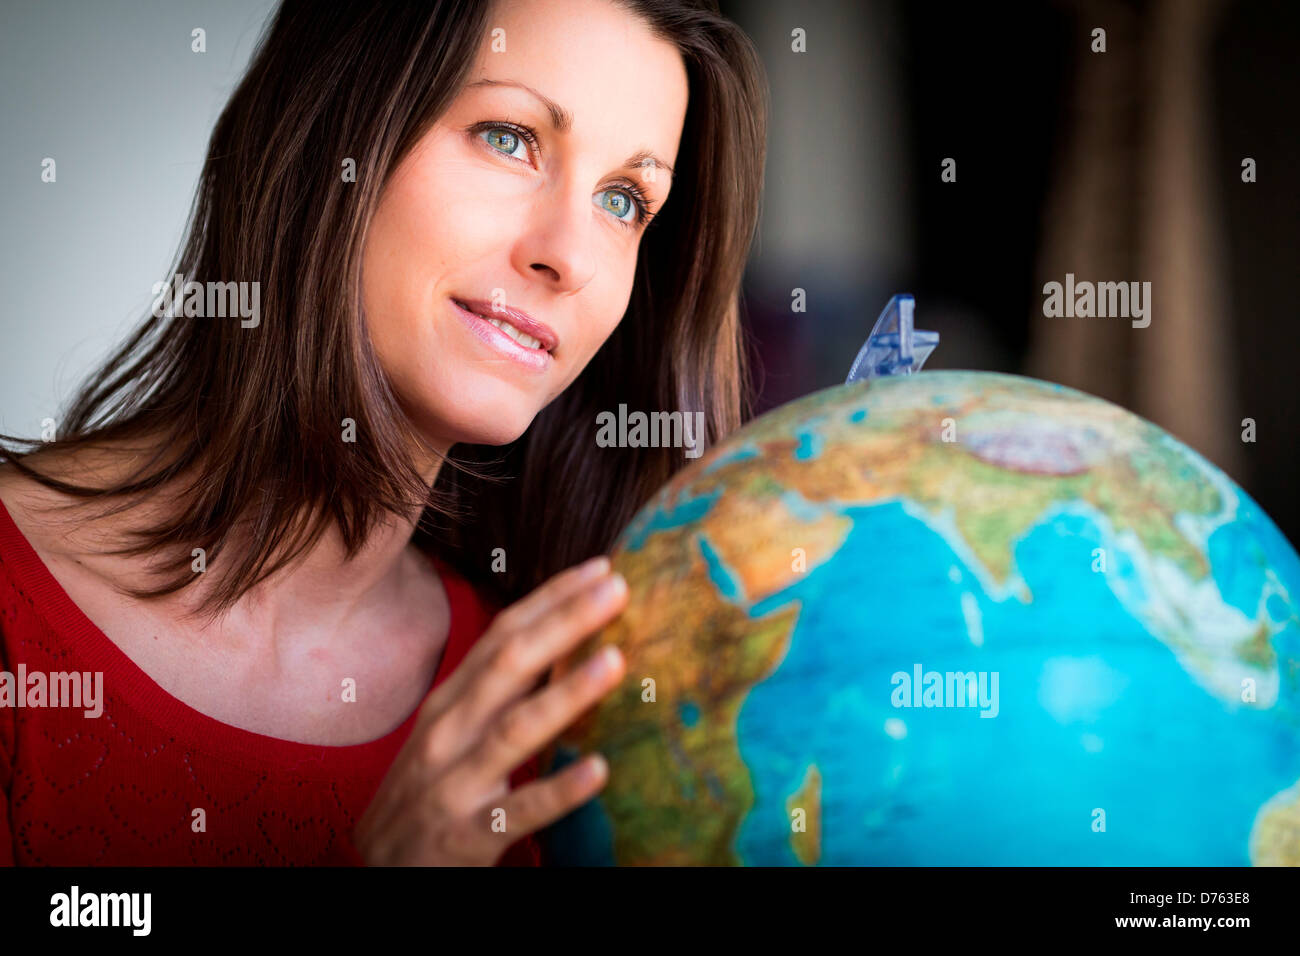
1117	166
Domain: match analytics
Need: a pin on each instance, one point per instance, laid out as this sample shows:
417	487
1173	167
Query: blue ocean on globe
1124	617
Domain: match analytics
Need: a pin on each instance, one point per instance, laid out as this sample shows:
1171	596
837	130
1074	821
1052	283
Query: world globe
952	618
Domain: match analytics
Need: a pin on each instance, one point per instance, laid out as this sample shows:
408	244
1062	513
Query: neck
324	588
318	593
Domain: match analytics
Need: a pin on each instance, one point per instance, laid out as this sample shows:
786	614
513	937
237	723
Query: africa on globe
948	618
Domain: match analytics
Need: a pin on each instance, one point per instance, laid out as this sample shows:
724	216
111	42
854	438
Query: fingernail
603	662
593	568
611	587
593	768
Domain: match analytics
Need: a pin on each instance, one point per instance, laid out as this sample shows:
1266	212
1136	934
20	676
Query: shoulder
16	493
41	525
38	512
471	613
20	524
462	594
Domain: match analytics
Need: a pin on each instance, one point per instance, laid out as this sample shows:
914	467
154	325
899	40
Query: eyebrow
562	120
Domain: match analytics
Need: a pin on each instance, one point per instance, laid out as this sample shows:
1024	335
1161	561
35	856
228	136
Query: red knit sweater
122	788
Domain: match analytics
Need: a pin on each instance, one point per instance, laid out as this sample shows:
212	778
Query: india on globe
948	618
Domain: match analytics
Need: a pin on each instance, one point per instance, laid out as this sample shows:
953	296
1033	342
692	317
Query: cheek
447	223
433	230
606	301
426	230
622	273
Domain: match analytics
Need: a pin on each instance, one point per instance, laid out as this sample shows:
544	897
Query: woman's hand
450	781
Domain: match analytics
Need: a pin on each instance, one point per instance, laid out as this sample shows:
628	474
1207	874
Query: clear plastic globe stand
895	346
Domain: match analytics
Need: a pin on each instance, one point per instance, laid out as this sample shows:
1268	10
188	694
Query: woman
460	228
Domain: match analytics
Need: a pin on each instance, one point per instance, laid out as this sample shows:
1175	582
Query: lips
511	334
519	325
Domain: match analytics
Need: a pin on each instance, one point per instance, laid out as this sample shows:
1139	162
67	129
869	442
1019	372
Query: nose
558	243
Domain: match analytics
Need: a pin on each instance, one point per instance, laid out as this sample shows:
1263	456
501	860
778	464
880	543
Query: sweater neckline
133	687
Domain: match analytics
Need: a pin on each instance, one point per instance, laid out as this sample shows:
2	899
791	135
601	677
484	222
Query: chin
494	433
497	416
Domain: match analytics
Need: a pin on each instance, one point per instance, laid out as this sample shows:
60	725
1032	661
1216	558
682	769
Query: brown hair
255	415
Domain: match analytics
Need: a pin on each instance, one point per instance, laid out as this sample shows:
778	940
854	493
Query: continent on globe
1135	608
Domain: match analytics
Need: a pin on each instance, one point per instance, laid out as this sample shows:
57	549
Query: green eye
504	140
618	203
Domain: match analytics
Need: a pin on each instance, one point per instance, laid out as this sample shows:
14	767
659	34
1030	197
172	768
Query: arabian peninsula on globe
949	618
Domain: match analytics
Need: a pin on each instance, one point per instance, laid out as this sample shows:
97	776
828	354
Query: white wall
111	90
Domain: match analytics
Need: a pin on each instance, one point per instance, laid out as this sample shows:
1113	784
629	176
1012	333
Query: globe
953	618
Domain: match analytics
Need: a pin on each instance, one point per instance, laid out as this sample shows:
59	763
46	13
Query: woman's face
523	203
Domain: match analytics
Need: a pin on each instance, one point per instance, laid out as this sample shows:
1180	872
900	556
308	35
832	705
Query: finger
459	719
555	590
522	729
498	824
558	588
516	665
